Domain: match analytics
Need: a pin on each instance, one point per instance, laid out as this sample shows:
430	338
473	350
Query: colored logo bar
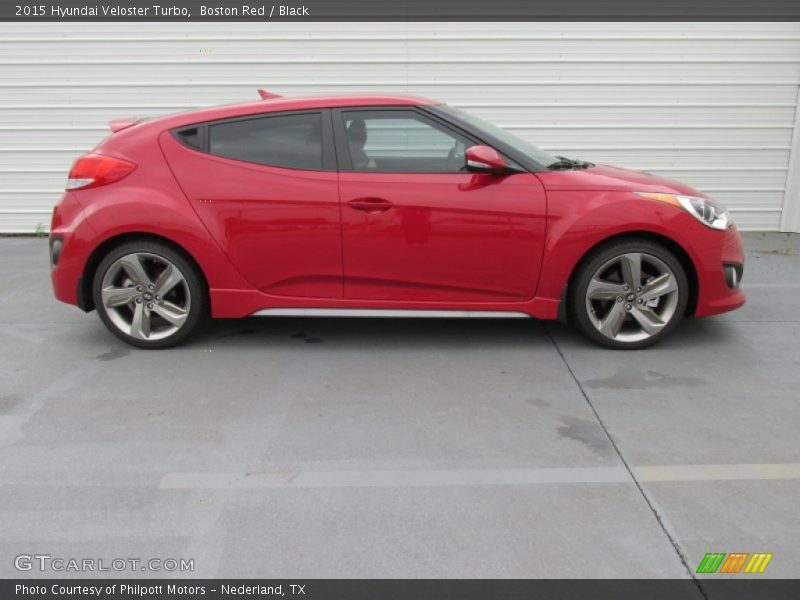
721	562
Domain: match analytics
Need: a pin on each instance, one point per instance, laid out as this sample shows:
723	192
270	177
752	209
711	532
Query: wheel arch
679	251
85	297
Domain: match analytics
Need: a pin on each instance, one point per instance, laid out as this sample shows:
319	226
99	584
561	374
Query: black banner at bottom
399	589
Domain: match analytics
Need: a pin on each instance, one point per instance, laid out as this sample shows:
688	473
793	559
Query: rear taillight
93	170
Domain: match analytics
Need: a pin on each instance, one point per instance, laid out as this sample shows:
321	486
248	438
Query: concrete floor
414	448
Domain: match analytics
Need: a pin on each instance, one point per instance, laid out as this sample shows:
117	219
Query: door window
291	141
401	141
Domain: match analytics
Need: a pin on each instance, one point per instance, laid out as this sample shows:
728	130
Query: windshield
533	152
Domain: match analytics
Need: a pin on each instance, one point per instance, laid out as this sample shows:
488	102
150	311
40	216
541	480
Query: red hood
606	177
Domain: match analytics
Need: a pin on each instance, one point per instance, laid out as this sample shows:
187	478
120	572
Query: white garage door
712	104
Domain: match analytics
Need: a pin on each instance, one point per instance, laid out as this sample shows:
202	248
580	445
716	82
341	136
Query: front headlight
704	210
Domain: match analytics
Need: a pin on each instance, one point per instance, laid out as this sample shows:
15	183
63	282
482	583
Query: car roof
280	103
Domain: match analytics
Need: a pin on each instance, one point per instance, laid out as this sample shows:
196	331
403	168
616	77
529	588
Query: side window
402	141
292	141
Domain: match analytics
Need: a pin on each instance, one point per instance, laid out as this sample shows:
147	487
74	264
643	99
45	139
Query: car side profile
377	206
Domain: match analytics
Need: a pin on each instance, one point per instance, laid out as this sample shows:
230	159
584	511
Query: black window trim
343	149
329	162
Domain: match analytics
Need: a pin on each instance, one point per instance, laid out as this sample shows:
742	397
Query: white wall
712	104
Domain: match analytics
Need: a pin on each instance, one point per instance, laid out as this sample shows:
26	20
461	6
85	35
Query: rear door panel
280	227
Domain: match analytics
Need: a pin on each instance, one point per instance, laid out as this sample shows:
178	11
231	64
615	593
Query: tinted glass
402	142
191	137
292	141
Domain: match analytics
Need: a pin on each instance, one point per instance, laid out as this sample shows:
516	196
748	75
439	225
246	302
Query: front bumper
719	262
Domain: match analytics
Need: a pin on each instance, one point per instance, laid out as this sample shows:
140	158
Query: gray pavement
410	448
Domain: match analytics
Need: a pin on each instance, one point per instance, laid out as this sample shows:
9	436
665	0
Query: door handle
370	205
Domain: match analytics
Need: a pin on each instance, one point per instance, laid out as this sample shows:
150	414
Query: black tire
192	286
579	307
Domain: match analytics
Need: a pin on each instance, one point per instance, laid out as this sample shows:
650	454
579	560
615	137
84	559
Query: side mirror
485	159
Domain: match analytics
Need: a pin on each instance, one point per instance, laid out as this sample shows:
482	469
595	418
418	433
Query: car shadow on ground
374	332
423	333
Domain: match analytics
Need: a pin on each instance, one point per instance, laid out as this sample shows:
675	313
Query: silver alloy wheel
632	297
146	296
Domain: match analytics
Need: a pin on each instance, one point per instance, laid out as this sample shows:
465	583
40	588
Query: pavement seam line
636	482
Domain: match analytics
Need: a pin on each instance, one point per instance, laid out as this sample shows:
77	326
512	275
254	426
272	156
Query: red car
377	206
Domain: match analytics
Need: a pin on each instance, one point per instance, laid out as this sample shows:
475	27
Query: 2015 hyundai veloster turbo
377	206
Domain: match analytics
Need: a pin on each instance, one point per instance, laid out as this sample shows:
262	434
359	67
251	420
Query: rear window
291	141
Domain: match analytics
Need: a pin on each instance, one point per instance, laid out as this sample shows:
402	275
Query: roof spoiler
265	95
120	124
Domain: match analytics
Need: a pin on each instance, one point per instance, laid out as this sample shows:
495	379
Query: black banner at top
399	10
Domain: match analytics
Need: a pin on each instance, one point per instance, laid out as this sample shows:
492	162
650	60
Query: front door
416	226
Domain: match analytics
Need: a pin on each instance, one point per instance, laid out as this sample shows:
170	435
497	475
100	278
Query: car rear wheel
629	294
149	295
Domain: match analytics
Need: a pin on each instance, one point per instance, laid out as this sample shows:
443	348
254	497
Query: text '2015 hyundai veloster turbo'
377	206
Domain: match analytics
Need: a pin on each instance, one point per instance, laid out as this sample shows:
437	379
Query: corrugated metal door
712	104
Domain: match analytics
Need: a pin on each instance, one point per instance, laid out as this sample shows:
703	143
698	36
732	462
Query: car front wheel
149	295
629	294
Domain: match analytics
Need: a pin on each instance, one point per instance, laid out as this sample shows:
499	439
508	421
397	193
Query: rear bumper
70	227
717	251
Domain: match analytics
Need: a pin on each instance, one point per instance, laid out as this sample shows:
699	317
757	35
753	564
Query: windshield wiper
564	163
